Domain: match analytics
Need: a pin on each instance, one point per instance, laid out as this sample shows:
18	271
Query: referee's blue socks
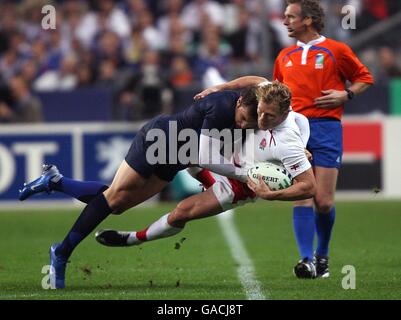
324	226
304	229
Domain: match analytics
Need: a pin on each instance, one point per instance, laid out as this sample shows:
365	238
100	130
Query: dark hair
313	10
250	101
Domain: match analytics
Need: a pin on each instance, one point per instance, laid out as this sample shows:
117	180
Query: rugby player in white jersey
282	138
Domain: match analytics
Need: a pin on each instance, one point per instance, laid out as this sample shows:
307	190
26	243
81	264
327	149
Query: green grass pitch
197	263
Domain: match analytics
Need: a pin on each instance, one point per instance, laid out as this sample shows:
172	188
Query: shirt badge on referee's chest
319	61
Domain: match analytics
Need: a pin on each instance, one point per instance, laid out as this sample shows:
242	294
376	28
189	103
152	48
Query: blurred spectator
38	53
107	17
17	42
56	49
29	71
151	35
388	61
85	76
135	9
213	51
170	24
199	12
9	24
63	79
180	73
245	38
130	107
25	107
31	23
10	63
274	13
68	20
109	46
150	85
136	46
107	72
140	49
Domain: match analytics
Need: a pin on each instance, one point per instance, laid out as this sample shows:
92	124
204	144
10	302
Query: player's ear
308	21
239	102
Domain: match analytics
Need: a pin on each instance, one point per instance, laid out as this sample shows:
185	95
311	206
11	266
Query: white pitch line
246	270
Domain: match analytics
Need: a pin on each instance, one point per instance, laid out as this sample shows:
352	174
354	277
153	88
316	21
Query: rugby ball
274	175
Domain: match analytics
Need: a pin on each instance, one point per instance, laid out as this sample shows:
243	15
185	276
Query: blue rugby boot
42	184
58	265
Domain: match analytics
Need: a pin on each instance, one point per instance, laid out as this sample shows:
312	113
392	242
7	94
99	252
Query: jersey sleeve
292	155
303	125
351	68
277	75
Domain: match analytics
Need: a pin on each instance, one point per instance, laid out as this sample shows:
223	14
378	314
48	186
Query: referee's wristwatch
350	94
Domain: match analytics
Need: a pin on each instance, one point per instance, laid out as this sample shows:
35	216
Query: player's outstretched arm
235	84
304	187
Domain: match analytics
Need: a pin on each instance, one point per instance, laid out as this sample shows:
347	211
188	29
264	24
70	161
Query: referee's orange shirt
321	64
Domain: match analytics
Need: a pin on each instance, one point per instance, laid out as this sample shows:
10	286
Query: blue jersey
215	111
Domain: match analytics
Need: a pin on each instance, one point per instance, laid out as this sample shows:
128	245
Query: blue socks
84	191
304	229
92	215
305	221
324	225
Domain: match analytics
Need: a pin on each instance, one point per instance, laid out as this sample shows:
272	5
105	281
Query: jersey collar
311	43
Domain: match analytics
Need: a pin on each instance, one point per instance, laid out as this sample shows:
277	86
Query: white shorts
229	192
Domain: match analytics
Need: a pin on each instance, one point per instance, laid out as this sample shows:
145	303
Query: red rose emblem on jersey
263	144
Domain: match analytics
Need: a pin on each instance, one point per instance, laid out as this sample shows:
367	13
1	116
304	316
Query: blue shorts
326	142
136	157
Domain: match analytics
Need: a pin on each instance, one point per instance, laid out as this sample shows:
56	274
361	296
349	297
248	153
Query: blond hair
275	92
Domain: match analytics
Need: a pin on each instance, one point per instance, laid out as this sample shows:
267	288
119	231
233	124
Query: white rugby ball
274	175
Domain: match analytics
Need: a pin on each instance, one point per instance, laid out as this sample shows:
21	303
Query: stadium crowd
147	51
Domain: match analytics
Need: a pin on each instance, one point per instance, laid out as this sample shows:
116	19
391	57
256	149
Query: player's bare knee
323	205
175	220
182	212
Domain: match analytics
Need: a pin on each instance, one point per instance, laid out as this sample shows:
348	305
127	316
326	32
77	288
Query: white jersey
284	144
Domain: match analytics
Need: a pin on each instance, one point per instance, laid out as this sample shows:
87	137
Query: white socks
157	230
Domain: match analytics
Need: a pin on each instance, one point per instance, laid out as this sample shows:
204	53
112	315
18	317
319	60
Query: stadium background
76	95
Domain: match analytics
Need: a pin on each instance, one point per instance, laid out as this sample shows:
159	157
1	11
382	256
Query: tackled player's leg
198	206
220	195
